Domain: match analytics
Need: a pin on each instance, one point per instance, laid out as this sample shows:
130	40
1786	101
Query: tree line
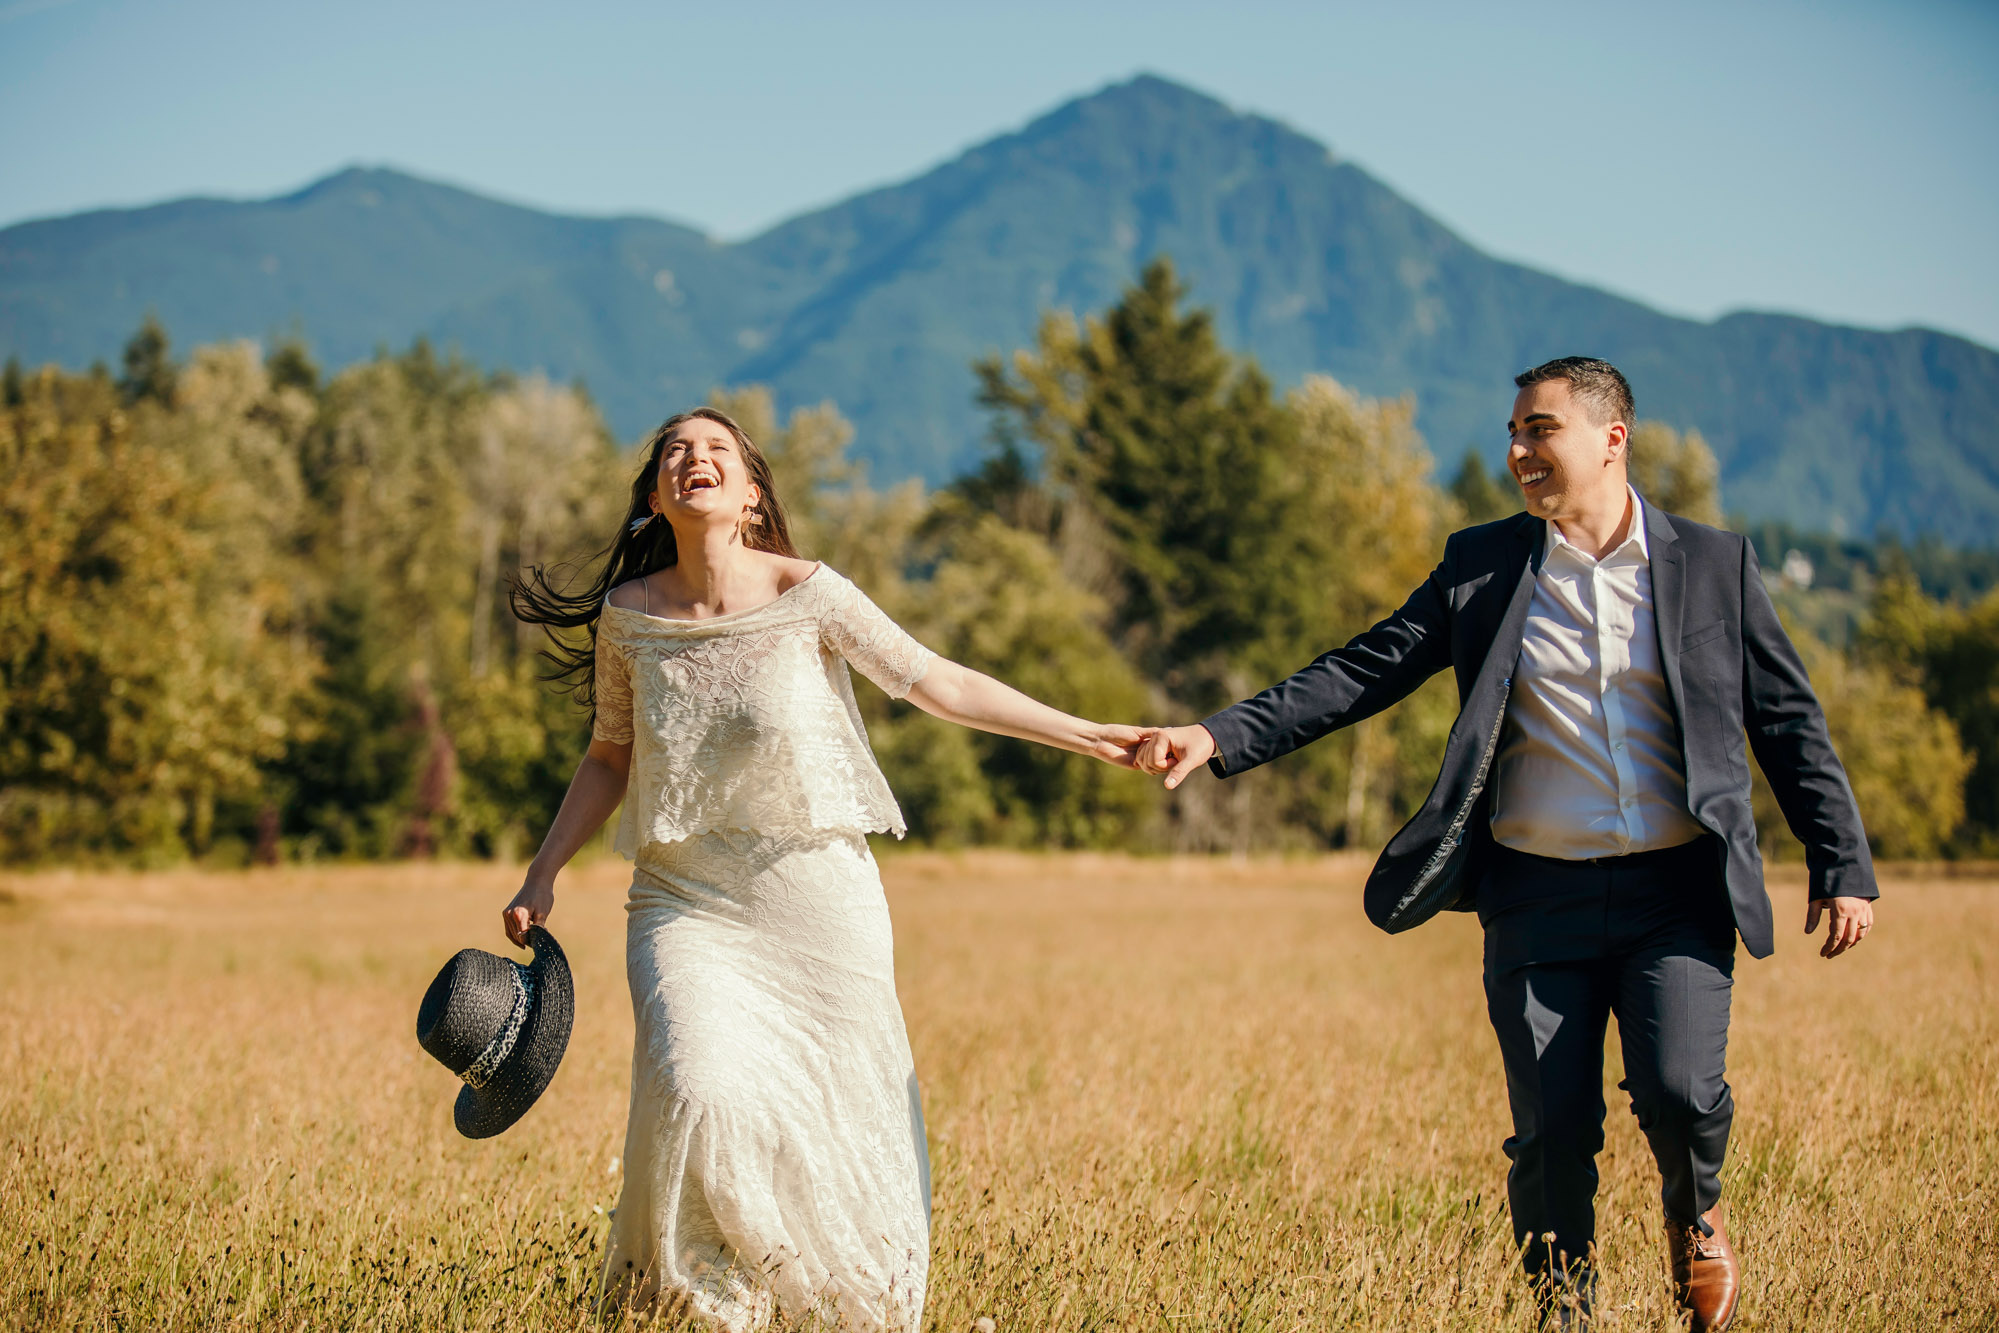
251	613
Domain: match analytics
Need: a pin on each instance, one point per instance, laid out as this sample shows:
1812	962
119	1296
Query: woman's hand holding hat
530	907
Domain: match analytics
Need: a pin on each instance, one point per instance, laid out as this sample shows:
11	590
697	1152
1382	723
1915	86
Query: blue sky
1831	159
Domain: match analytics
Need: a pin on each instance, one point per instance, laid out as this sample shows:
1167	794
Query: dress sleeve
613	719
858	630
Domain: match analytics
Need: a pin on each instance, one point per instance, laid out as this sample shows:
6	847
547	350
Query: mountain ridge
879	301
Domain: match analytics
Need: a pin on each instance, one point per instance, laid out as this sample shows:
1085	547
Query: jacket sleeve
1788	733
1378	667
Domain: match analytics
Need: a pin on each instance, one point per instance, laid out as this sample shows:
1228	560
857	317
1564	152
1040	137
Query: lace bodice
748	720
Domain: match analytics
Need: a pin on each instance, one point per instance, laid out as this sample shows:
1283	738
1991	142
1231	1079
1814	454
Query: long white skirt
775	1164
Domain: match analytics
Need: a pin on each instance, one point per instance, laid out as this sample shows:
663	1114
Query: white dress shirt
1589	762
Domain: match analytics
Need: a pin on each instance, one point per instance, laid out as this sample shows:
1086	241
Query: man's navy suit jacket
1729	665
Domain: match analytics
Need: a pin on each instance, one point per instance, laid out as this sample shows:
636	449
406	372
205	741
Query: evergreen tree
149	368
1233	536
1482	496
290	366
1178	458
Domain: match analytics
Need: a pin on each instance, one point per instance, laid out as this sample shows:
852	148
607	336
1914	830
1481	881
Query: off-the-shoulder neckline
726	616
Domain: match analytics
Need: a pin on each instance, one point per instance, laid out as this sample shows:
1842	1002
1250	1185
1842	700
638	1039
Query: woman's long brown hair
635	554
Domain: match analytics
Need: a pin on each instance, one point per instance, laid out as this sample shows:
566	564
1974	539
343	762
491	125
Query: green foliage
346	777
1481	496
1226	532
997	602
808	456
517	743
1676	471
1904	759
290	366
145	664
1166	446
149	368
1361	548
1949	573
432	484
252	612
1847	564
1953	652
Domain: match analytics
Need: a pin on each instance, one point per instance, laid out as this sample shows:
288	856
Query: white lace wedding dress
775	1165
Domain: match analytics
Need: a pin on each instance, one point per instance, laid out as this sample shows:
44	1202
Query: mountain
881	301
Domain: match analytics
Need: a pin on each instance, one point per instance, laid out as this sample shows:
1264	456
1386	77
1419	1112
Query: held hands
1176	752
530	907
1850	920
1115	743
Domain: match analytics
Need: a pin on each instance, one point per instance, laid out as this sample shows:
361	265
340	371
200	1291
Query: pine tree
1176	454
1483	496
290	366
149	368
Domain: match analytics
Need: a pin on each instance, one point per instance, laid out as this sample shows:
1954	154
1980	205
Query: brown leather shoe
1706	1278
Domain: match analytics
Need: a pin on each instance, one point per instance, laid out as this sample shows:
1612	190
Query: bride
775	1164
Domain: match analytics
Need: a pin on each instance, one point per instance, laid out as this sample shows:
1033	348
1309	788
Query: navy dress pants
1650	939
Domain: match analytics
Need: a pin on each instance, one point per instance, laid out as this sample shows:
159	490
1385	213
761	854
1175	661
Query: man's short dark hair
1597	385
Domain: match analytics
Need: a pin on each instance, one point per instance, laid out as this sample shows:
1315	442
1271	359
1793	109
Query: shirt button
1618	746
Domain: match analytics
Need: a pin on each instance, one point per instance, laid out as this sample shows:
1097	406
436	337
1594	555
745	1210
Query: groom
1593	807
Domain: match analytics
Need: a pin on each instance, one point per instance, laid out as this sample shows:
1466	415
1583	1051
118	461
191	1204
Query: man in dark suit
1593	808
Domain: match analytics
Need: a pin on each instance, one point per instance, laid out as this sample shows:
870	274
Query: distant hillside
880	302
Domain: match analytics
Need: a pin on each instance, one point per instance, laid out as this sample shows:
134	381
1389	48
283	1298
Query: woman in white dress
775	1164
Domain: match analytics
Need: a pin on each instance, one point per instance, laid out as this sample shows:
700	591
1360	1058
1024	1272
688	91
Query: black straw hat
501	1027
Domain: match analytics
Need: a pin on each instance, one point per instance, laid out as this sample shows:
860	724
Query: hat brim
480	1113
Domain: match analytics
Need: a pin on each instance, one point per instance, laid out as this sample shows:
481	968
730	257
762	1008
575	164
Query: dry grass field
1172	1094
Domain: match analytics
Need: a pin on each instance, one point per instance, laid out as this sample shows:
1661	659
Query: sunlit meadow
1190	1094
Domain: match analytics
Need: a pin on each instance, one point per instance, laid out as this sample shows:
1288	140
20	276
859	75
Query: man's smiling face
1562	458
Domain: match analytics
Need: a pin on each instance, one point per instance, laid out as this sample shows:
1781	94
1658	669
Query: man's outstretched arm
1377	668
1788	733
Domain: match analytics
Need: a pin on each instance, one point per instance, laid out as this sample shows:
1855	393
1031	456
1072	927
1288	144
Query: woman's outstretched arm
593	794
959	694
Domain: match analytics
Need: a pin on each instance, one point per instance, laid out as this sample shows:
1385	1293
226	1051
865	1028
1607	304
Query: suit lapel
1528	548
1669	586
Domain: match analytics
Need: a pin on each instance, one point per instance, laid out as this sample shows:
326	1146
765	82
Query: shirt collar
1556	542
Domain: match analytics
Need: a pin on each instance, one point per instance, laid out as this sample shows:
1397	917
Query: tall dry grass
1162	1095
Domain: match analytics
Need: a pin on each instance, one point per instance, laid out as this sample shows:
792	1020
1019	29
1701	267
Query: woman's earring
638	524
